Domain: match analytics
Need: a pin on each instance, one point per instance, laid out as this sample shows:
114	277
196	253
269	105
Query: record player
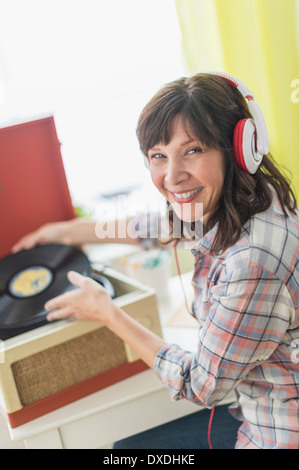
43	365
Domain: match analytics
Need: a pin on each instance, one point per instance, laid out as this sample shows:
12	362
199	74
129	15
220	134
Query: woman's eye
194	150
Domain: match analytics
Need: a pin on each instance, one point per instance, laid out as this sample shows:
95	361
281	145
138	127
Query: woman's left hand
92	302
89	302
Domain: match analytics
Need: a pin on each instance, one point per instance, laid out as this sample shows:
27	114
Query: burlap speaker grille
57	368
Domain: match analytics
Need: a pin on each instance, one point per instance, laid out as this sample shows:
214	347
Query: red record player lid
33	185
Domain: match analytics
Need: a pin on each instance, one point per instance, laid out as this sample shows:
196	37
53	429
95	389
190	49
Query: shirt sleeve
248	316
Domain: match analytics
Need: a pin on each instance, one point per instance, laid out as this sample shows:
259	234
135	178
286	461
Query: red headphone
250	139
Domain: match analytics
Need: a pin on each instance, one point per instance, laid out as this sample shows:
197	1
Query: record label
30	281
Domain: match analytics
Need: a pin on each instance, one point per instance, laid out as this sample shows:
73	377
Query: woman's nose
175	173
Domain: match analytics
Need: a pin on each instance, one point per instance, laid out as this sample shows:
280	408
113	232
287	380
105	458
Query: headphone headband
236	83
262	139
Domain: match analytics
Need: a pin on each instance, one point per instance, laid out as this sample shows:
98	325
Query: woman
245	273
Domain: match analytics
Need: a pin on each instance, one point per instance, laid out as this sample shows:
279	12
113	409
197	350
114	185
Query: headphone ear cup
238	144
244	143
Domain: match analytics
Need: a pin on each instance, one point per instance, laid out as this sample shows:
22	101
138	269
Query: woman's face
188	175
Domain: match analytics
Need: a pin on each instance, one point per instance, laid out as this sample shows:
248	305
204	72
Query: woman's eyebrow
187	142
182	144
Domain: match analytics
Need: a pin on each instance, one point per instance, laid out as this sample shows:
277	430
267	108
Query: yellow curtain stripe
256	41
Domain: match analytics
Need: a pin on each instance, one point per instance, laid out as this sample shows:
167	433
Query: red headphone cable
210	427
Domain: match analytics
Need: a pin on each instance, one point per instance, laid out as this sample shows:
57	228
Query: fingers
55	303
24	243
59	314
75	302
61	307
47	233
83	302
31	240
81	281
58	308
76	279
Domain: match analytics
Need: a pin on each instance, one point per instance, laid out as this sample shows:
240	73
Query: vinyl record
29	278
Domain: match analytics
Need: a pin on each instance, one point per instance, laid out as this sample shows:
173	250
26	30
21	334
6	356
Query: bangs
156	118
202	127
154	125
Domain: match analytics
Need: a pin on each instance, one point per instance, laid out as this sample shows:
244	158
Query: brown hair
211	107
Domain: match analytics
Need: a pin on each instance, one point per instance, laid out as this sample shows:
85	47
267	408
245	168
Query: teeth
188	194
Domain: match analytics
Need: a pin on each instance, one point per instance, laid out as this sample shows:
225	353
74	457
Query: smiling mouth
187	194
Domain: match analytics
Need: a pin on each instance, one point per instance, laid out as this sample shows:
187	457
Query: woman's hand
56	232
77	232
89	302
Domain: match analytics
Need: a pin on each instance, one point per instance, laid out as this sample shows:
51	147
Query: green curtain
257	41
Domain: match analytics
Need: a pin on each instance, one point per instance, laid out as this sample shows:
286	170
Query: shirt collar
205	243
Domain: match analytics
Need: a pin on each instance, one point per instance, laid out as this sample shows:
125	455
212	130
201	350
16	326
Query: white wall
93	64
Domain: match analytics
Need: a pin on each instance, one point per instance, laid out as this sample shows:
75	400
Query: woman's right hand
55	232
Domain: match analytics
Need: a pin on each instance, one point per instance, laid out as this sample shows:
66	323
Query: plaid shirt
247	302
